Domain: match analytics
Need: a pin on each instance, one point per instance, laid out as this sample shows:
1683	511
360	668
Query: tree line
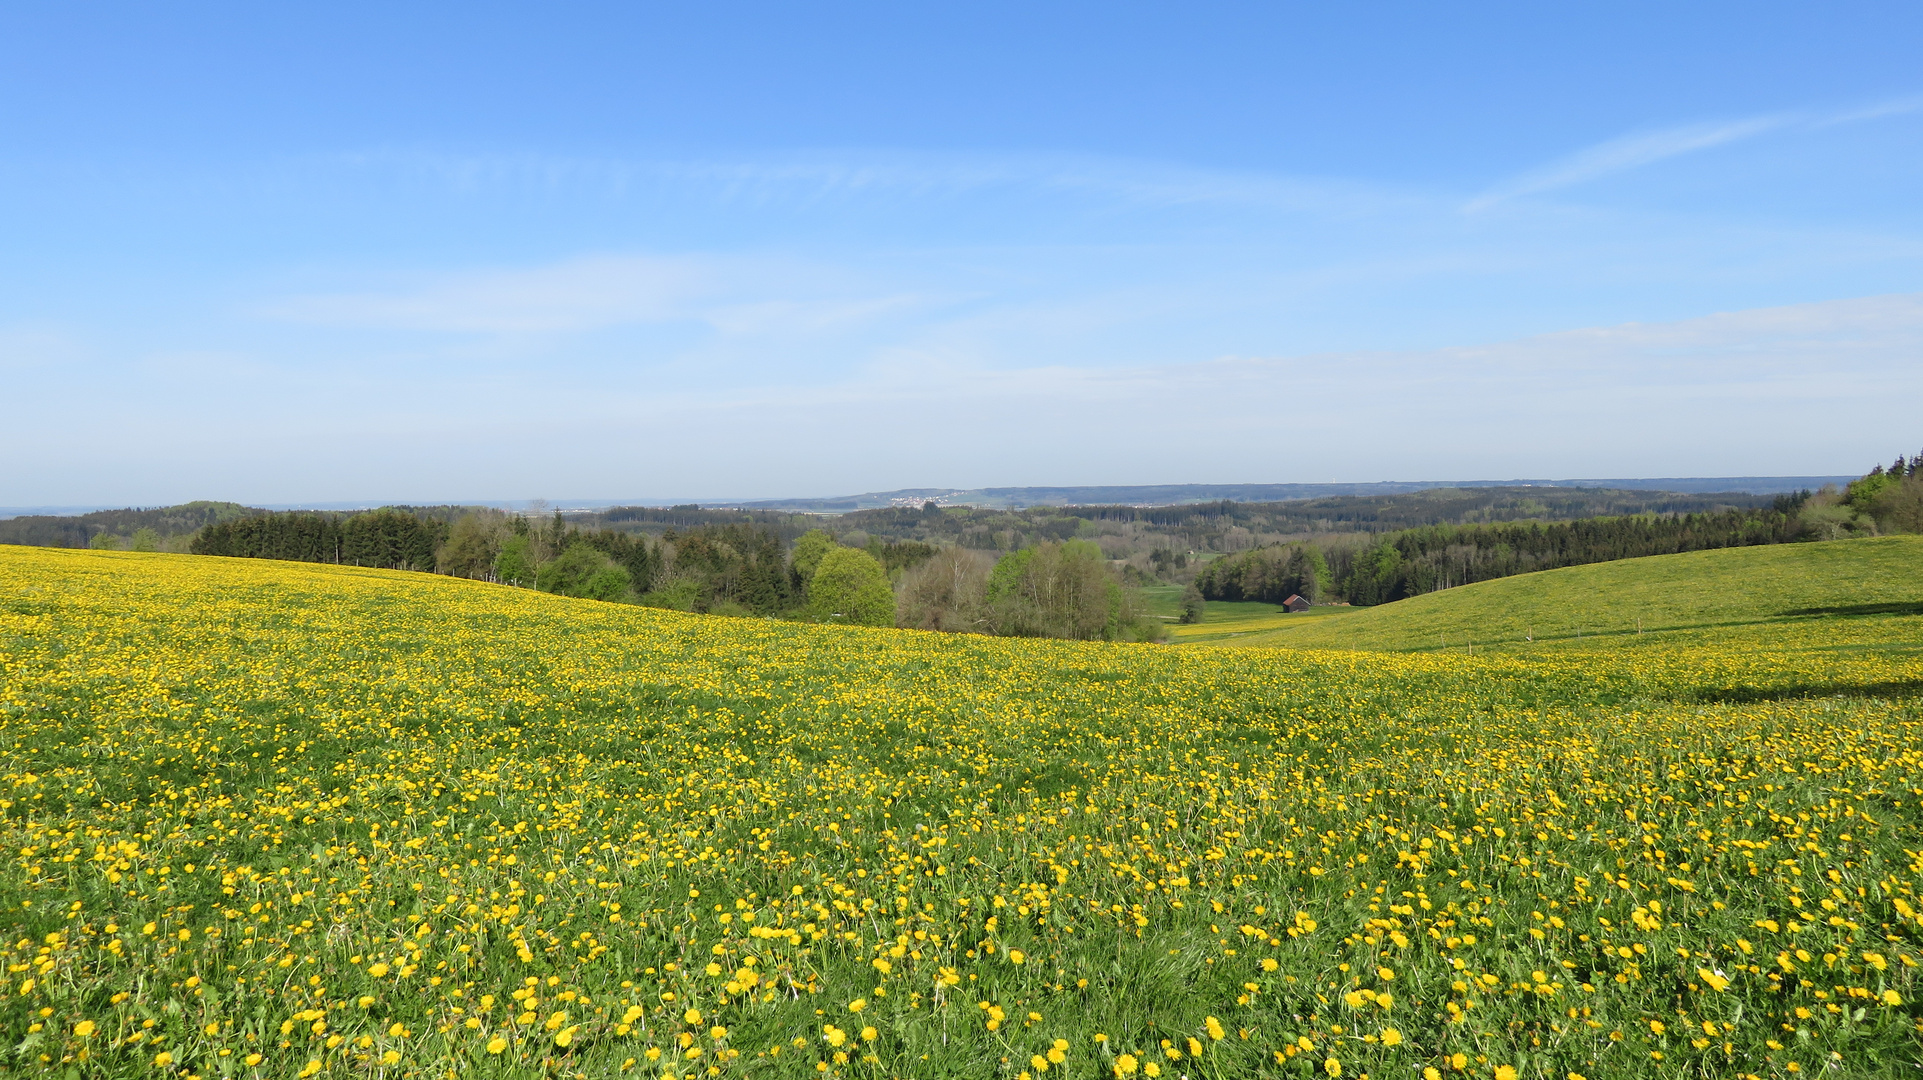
1064	589
731	568
387	538
1147	543
1167	543
1208	523
167	528
1411	562
1049	571
1881	501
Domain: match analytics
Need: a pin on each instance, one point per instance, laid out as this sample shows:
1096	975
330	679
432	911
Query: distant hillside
1228	526
1636	601
172	523
44	530
1198	526
1177	494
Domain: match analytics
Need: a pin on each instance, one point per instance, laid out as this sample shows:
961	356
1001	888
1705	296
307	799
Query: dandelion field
270	819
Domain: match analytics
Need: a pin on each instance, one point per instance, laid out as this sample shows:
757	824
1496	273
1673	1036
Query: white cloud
1876	111
1625	153
747	297
1637	149
872	175
581	294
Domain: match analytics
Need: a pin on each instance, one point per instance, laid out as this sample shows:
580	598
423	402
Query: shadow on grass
1745	695
1912	607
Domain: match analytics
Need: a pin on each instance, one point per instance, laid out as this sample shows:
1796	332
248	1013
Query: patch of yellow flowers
267	819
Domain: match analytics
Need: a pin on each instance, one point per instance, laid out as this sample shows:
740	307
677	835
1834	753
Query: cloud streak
1637	149
581	294
829	175
1626	153
742	296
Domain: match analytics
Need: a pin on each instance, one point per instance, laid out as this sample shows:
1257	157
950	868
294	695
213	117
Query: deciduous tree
848	585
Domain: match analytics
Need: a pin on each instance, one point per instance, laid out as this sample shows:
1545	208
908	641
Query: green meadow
1869	589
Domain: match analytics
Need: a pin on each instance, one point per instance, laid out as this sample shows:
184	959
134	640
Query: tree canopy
850	586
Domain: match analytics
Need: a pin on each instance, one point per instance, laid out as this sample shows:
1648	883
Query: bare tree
948	592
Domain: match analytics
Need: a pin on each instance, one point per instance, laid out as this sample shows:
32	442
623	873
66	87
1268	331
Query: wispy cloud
1877	111
826	175
1638	149
1625	153
734	295
578	295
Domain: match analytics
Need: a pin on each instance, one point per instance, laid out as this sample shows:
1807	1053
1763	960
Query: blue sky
286	253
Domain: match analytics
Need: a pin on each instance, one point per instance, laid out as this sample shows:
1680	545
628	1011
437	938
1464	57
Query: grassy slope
325	784
1747	593
1223	626
1223	617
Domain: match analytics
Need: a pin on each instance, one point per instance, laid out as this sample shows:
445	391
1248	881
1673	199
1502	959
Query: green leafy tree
1006	584
473	543
1899	506
1376	579
634	554
848	585
807	554
1062	590
1271	575
515	564
611	583
145	538
585	572
1193	605
674	594
736	563
1862	494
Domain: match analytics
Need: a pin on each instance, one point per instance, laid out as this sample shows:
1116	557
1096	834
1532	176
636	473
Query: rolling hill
1875	585
273	819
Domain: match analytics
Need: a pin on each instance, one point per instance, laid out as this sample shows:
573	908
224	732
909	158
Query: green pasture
1760	594
1223	618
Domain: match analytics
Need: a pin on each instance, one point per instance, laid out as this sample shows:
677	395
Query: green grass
1241	619
1161	600
1222	618
1875	585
